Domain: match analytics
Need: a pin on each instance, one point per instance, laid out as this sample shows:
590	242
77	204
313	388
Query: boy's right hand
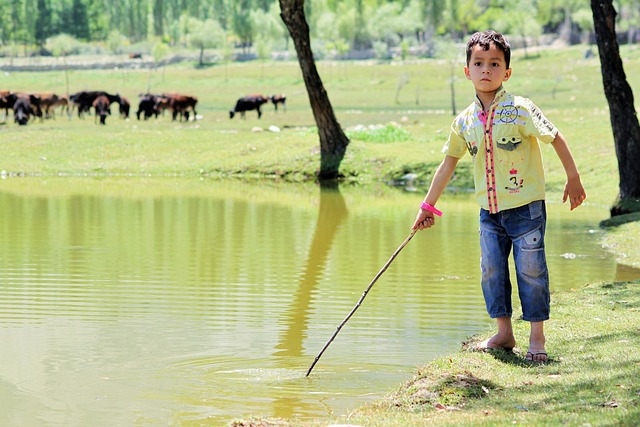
424	219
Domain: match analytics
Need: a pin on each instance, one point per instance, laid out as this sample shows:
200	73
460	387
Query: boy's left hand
574	191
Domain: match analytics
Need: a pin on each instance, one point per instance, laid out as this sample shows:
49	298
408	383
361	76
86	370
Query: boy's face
487	69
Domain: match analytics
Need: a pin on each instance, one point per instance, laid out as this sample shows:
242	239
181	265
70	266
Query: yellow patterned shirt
508	170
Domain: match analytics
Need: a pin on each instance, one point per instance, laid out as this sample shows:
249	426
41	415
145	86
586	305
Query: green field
415	95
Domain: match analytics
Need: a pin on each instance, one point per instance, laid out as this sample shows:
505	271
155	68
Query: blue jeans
523	230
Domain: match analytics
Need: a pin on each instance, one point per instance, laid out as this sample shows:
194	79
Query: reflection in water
332	212
169	302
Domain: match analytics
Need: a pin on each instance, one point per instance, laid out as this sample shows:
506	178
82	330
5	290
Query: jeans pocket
536	209
532	240
533	210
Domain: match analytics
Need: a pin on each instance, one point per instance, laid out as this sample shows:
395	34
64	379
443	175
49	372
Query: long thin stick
364	294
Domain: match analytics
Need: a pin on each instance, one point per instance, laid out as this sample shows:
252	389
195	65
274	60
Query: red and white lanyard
489	164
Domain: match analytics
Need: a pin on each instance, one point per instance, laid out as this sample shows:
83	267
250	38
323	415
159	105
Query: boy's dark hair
484	39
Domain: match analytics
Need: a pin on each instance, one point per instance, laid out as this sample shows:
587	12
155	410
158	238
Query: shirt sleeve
456	145
538	125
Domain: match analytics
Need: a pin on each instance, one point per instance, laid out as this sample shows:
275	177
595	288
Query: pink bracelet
428	207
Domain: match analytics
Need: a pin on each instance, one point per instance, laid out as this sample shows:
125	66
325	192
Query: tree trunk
333	141
624	121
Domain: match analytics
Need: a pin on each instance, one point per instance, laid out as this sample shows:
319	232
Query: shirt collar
500	94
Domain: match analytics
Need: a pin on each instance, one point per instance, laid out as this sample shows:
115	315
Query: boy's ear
466	73
507	75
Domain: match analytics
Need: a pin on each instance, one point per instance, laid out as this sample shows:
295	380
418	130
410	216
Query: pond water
175	301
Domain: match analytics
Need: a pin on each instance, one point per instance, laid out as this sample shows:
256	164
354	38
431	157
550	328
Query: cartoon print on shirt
516	184
508	154
473	148
509	144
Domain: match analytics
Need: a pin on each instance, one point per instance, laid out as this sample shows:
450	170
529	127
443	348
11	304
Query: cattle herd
29	106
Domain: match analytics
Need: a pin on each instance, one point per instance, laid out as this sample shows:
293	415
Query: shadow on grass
513	357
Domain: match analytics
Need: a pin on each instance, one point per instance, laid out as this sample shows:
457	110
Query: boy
502	133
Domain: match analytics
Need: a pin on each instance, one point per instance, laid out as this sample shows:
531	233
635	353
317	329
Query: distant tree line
338	26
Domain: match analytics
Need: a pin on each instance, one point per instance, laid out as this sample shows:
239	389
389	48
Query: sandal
536	356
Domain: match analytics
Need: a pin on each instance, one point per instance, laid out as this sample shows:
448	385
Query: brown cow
48	101
125	106
279	99
179	104
102	106
63	103
4	103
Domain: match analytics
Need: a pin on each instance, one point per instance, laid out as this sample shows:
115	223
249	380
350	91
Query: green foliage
115	41
205	34
356	23
160	51
63	45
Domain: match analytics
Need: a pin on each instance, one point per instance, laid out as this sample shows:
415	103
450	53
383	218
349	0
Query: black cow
23	107
248	103
279	99
102	106
148	105
84	99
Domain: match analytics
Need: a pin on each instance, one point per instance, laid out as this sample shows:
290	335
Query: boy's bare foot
497	342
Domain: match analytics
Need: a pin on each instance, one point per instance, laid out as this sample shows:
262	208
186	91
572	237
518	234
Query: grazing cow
179	104
125	106
23	107
102	106
48	101
162	104
248	103
63	103
279	99
83	100
4	103
147	105
135	55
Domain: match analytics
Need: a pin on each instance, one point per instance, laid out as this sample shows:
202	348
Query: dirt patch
448	391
